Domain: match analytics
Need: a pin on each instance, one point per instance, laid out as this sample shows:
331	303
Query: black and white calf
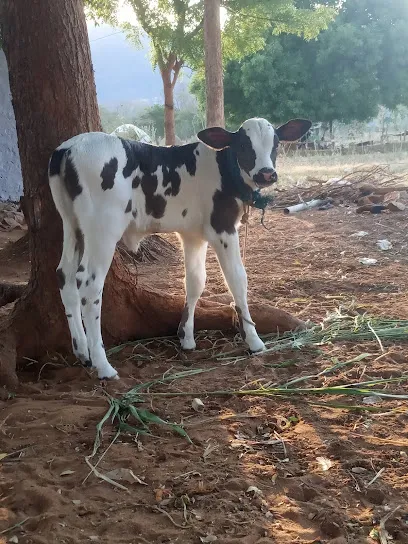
106	188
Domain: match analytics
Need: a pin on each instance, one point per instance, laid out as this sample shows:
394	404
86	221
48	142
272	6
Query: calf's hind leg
66	276
93	269
195	251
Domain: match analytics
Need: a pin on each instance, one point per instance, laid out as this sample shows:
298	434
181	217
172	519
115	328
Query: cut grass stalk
337	327
120	410
284	392
326	370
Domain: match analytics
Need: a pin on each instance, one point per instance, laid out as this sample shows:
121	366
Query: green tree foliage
175	31
187	122
357	64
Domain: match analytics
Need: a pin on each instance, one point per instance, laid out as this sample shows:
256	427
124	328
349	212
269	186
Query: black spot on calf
226	210
93	277
134	213
173	178
184	317
245	152
83	301
108	174
75	344
155	204
128	207
225	213
136	182
55	162
79	244
96	301
71	179
132	152
68	315
184	212
60	278
81	268
79	283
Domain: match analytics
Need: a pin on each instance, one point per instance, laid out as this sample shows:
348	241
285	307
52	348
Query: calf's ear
293	130
215	137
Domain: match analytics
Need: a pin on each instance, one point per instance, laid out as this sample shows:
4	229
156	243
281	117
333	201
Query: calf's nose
269	175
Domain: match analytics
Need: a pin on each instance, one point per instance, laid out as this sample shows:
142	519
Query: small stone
371	400
396	206
358	470
13	539
254	491
384	245
197	405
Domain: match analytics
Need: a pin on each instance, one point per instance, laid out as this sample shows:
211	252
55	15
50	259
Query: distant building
11	183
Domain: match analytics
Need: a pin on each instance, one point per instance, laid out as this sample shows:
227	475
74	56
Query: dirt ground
246	478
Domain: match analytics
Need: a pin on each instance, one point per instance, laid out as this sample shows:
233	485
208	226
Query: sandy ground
201	492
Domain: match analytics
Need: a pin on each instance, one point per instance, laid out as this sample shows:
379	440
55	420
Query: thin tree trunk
54	97
169	119
213	64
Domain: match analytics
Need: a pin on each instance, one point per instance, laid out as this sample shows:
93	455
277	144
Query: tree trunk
169	119
54	98
213	64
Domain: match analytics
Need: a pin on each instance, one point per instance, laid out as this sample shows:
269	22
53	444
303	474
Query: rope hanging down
260	202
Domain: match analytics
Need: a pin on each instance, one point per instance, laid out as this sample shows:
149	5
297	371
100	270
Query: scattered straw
341	326
15	526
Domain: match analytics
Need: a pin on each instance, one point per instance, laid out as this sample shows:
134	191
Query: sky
122	72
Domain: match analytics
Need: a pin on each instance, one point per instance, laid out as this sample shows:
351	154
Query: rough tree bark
54	98
213	64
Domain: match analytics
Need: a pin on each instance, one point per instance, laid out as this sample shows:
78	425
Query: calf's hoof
257	346
188	344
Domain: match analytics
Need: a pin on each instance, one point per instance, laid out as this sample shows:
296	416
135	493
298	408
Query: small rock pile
11	217
377	199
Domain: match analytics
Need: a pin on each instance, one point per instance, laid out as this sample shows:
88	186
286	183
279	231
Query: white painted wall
11	184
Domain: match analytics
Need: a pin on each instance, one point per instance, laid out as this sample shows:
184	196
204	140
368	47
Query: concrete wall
11	185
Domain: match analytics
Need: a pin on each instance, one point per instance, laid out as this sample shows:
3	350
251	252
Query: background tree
249	24
175	29
213	64
54	98
357	64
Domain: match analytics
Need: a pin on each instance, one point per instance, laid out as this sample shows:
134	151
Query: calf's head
255	144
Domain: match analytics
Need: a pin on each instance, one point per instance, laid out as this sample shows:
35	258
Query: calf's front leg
195	251
228	253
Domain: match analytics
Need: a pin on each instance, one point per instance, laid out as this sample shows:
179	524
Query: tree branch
176	71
